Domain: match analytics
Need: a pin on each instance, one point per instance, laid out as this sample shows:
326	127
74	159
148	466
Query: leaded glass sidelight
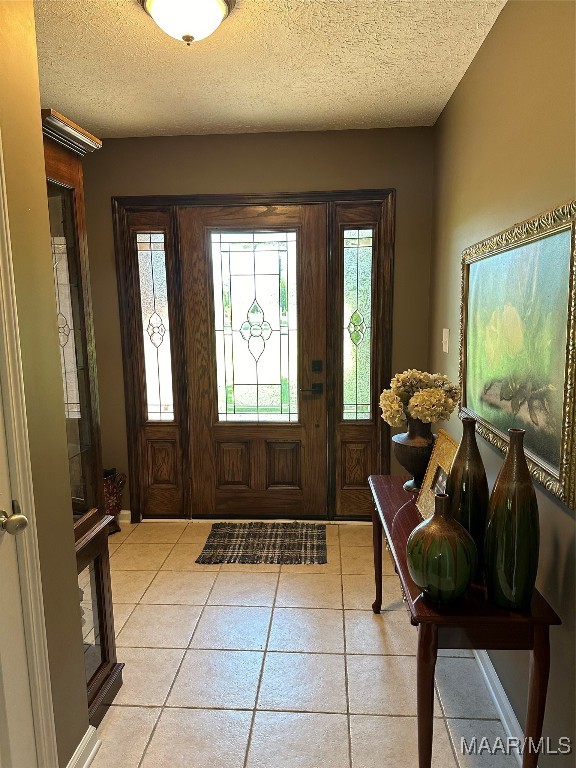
255	323
155	325
357	331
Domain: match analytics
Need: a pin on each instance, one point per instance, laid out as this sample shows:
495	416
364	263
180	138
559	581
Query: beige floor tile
233	627
126	530
491	730
220	679
357	560
124	732
299	590
306	630
113	546
383	685
129	586
196	533
359	592
360	561
355	535
196	738
159	626
244	589
183	558
388	567
332	535
147	675
139	557
332	566
250	567
396	742
462	689
121	613
389	632
305	682
179	588
298	740
158	533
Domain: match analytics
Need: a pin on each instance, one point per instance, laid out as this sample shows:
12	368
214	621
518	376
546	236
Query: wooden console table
472	622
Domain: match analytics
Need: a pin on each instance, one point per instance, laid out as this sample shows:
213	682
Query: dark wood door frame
125	208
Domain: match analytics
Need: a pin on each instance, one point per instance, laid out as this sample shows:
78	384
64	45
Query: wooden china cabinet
64	146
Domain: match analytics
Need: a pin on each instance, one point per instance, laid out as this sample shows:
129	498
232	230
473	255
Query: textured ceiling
273	65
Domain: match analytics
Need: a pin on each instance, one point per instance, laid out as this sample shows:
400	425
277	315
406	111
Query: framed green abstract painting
517	342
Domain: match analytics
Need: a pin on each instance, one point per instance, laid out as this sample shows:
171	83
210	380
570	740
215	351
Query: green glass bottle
512	541
467	487
441	555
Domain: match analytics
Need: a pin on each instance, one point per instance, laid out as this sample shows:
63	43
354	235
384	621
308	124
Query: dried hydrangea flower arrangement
429	397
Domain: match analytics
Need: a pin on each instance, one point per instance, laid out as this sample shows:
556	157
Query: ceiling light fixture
188	20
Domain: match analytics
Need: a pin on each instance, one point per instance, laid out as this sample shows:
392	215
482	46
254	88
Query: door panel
150	310
258	443
239	427
360	307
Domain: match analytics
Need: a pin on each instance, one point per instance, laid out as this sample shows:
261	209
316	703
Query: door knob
14	523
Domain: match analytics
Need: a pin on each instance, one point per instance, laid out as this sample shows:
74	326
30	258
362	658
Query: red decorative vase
413	450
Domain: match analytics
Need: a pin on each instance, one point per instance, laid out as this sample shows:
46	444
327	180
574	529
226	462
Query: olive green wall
274	162
30	237
505	152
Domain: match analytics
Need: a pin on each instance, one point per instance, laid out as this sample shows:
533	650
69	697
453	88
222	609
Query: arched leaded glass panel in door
256	327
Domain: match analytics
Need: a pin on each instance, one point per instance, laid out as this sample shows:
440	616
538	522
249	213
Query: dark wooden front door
256	337
254	278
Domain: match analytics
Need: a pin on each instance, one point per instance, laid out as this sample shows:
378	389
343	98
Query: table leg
377	546
539	670
426	663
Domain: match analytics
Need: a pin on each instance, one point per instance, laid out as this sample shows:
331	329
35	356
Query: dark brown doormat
252	543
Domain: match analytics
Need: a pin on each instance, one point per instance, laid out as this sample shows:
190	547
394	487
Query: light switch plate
445	339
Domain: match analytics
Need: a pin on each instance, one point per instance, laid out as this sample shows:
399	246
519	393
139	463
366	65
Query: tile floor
240	666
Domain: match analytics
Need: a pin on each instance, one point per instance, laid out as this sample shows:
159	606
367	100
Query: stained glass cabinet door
64	145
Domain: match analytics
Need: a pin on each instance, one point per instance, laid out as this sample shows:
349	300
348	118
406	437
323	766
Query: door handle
317	389
15	523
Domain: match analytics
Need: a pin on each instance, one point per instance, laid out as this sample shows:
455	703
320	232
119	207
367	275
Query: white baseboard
124	516
86	750
507	715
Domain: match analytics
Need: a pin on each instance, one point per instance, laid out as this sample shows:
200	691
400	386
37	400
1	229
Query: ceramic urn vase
413	450
512	532
441	555
467	487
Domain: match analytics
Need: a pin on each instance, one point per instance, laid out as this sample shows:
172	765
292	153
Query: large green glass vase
441	555
467	487
512	532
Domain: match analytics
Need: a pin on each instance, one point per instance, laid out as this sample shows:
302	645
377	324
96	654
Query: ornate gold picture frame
436	475
517	345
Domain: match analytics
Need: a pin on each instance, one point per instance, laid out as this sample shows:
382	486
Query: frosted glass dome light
188	20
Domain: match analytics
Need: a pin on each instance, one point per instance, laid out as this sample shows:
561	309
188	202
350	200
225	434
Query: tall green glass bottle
467	487
512	533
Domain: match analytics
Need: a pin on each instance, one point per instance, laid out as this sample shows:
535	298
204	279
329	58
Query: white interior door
17	741
27	734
